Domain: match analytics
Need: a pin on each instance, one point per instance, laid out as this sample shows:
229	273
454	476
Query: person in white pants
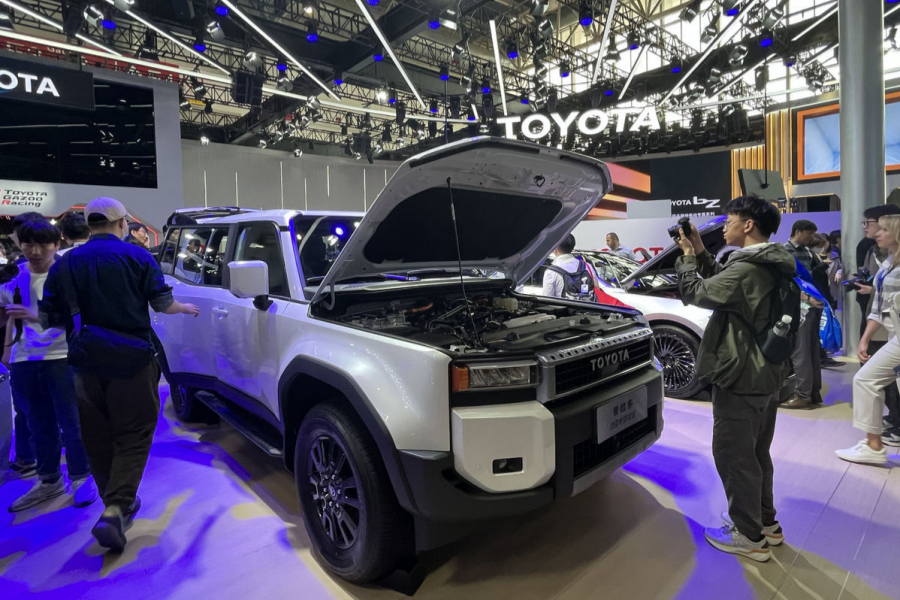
877	371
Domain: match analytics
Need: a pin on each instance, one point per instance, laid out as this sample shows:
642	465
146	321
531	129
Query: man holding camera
745	383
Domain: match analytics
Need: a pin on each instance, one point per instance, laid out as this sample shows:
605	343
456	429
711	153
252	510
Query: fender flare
344	383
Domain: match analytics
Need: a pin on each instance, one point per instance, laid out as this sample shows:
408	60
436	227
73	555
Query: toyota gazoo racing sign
13	201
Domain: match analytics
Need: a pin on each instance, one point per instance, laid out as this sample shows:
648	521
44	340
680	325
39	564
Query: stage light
485	86
773	17
612	53
790	60
281	64
252	61
737	54
378	56
761	77
634	40
512	51
677	65
434	21
731	7
392	95
564	69
298	153
312	33
309	6
372	2
284	84
222	10
690	12
539	8
710	31
433	106
199	44
198	87
524	100
585	14
338	78
214	30
470	114
445	72
93	15
766	38
204	140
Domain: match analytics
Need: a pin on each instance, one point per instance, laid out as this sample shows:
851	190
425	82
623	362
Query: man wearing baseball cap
100	292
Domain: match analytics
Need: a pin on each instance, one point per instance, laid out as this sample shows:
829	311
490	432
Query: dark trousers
24	444
47	394
743	427
118	418
806	358
891	392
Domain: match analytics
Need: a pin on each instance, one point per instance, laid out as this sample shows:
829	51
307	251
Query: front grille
580	373
589	454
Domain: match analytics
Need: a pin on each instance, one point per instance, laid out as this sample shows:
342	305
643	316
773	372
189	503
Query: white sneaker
39	493
863	454
774	533
84	491
729	539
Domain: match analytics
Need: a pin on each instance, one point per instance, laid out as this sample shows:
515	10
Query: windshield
320	241
614	269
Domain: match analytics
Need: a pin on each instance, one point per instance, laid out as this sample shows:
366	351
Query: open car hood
515	202
664	262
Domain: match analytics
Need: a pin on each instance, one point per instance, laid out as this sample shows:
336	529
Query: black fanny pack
100	349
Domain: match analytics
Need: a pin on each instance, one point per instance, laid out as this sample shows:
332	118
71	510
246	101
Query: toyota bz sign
36	82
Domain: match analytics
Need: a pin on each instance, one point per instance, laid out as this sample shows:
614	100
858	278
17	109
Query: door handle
220	312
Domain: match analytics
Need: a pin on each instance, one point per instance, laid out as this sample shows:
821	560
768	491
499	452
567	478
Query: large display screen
818	150
113	145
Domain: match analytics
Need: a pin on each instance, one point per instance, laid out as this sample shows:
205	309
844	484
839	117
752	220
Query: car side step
252	427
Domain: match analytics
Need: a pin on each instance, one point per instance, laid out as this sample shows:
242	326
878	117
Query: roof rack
194	216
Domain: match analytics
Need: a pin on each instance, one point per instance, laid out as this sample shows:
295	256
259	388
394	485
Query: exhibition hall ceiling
386	79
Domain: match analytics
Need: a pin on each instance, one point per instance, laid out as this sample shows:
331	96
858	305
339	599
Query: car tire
343	485
677	350
187	407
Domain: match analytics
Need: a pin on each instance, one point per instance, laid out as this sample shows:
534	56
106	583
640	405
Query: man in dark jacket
745	384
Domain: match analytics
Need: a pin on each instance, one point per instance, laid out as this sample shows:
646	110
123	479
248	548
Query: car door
246	336
190	262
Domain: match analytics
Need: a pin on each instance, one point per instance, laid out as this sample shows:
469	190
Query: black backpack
578	285
785	300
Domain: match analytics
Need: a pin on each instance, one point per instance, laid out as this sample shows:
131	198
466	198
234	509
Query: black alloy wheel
188	408
677	351
335	491
357	528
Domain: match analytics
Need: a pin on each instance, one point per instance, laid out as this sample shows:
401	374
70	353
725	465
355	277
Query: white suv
388	359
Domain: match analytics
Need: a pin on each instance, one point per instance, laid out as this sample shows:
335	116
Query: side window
214	257
259	241
323	245
167	257
190	263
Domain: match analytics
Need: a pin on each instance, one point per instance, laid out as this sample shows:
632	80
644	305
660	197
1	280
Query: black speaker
247	88
823	203
184	10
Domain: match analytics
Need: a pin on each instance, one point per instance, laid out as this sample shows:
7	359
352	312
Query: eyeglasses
866	222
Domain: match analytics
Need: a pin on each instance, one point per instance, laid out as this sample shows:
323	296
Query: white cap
110	208
787	319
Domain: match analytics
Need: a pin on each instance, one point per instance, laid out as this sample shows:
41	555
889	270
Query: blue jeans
46	390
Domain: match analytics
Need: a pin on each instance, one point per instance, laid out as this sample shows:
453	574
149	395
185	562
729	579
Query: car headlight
484	376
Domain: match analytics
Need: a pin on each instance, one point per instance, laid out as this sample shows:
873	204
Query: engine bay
485	320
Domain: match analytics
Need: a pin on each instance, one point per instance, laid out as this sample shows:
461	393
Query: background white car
653	289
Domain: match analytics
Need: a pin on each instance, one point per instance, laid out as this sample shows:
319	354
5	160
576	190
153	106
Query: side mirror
250	279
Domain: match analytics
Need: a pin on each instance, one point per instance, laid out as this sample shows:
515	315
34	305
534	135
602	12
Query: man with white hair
100	293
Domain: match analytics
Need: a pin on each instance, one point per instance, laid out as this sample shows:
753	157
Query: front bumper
438	493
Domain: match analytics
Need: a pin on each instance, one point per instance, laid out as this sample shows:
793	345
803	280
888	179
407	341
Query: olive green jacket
729	355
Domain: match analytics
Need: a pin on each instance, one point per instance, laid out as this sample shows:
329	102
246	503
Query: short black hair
20	220
803	225
834	237
135	226
763	213
568	244
38	232
881	210
73	226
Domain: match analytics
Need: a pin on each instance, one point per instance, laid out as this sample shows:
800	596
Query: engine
484	322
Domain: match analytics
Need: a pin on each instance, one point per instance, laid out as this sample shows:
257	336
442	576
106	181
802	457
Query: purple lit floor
220	520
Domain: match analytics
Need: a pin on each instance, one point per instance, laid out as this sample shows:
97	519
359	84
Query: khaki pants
869	385
118	419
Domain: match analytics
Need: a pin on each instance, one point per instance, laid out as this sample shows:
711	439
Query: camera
683	223
862	277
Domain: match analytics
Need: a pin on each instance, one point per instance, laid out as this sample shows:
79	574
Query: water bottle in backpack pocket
578	285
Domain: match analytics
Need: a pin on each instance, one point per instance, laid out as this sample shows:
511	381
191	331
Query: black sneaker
891	437
110	529
19	470
130	514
